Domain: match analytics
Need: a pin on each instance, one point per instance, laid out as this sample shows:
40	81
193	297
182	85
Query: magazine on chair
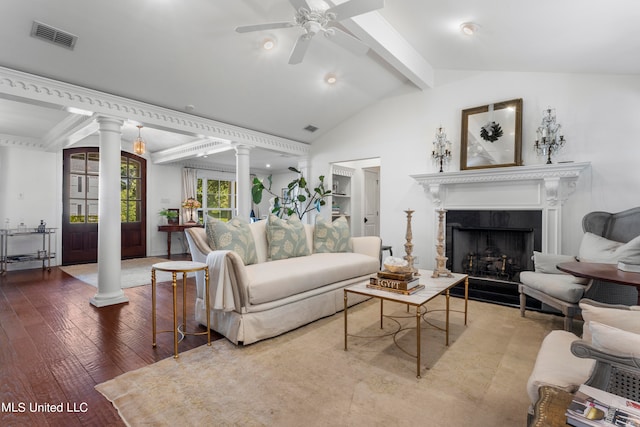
592	407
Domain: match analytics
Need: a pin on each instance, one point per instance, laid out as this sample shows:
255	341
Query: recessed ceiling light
331	78
468	28
268	165
268	43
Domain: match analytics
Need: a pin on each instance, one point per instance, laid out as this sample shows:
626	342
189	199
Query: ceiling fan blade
297	4
352	8
260	27
347	41
300	49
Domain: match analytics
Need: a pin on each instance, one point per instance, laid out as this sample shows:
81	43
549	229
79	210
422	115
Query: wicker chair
614	374
619	227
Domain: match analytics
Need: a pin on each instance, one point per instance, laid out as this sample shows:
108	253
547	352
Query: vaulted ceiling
187	56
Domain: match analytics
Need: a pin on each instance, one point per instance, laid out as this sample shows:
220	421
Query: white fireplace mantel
538	187
559	179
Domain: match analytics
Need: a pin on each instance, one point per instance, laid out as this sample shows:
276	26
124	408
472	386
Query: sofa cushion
561	286
621	317
594	248
613	340
546	263
286	238
275	280
557	366
332	236
234	235
259	232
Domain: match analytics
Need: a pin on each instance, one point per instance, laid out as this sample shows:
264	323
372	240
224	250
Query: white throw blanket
221	290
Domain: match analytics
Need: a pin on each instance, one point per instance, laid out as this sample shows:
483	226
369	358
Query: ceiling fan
316	20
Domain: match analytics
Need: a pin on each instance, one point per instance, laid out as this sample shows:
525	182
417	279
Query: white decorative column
109	249
243	180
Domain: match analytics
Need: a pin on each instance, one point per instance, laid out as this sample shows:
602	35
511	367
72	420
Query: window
218	198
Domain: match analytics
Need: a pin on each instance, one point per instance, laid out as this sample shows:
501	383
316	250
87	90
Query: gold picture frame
492	135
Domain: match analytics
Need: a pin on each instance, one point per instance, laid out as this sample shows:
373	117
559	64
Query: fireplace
496	218
493	247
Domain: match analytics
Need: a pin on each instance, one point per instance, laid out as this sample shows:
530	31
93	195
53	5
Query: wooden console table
170	229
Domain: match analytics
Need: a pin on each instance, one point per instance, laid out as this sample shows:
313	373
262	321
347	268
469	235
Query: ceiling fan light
268	44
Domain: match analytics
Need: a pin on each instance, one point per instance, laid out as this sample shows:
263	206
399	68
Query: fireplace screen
492	244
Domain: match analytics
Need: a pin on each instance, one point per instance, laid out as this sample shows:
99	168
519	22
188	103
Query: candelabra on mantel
408	247
550	138
441	149
441	260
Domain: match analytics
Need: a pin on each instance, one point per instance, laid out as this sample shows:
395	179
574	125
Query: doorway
363	195
81	173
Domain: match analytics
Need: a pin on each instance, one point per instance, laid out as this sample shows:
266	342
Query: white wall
599	115
164	191
30	191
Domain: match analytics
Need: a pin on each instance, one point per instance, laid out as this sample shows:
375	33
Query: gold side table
175	267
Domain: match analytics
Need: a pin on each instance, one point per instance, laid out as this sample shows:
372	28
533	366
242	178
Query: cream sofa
607	357
258	301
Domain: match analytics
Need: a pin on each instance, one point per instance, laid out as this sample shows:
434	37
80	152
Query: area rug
306	378
135	272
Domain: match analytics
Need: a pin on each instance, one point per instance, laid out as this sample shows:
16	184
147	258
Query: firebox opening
493	247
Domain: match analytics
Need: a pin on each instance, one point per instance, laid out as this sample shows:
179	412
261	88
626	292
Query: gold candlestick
441	260
408	247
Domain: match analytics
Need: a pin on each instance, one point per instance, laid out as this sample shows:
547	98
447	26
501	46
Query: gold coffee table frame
433	288
175	267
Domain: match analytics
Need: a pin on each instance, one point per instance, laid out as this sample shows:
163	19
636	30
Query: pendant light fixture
139	145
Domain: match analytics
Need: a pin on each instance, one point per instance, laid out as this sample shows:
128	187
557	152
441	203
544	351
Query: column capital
109	122
242	149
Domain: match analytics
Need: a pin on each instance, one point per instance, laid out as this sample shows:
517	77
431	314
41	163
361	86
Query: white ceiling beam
198	148
72	129
383	39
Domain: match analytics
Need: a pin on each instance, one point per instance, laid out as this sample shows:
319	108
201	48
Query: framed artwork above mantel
492	135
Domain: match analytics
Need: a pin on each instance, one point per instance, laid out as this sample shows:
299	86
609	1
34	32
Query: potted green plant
170	214
298	198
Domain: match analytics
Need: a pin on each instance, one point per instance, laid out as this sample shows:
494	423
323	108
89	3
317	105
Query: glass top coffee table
432	288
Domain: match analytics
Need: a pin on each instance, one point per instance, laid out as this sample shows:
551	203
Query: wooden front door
81	173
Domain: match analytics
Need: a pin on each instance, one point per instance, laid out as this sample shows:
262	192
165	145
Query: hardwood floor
55	346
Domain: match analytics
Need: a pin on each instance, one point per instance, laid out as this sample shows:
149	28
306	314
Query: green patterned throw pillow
286	238
234	235
332	236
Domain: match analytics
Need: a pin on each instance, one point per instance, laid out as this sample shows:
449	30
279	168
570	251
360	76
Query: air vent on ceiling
311	128
53	35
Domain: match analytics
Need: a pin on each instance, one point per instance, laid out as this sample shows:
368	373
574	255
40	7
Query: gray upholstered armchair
607	236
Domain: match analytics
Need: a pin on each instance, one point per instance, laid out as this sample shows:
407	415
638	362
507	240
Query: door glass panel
134	169
76	186
135	207
92	190
77	163
134	189
76	211
130	190
93	163
92	207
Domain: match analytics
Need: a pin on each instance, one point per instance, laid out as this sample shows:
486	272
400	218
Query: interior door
81	174
371	202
